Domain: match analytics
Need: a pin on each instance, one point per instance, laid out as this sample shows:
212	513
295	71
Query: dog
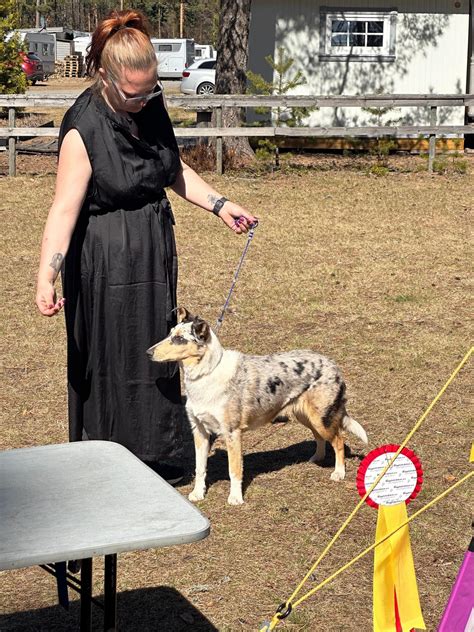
229	393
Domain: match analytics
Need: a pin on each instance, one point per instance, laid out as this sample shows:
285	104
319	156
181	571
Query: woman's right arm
74	173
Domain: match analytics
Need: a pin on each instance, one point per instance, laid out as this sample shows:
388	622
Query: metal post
219	160
86	594
432	148
110	593
11	143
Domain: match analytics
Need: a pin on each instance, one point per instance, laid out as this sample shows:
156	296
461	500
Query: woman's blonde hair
120	41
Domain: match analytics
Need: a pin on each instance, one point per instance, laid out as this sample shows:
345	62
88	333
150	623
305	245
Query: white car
199	77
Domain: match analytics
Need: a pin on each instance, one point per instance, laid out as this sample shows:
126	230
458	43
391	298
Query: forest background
200	19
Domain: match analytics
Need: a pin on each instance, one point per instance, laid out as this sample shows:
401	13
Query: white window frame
386	52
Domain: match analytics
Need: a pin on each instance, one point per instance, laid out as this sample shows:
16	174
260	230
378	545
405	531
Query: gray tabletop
78	500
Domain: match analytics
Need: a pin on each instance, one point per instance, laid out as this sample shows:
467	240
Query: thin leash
226	304
236	275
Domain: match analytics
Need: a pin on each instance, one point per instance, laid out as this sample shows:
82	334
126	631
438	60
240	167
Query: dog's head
187	342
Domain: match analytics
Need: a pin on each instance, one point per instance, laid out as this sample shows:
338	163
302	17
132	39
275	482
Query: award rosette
396	604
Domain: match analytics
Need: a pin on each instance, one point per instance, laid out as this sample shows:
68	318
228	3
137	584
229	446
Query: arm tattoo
212	199
56	261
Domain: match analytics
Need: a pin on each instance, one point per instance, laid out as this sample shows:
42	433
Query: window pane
374	40
339	26
339	40
357	27
375	27
165	47
356	40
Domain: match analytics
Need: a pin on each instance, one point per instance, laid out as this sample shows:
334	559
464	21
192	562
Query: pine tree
232	60
12	77
282	84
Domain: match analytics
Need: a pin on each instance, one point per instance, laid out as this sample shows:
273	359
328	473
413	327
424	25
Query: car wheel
205	88
33	82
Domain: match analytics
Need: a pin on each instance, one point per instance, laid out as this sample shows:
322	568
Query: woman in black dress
111	225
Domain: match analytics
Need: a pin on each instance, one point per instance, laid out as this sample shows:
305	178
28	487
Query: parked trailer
204	51
44	45
173	55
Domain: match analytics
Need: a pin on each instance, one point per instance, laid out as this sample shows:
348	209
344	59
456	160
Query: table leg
61	580
110	593
86	595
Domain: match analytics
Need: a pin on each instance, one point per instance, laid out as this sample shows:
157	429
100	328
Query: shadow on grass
257	463
144	610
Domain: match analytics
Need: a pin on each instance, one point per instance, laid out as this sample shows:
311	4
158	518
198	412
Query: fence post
432	149
11	143
219	161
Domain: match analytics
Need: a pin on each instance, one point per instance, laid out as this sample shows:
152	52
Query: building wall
63	49
431	55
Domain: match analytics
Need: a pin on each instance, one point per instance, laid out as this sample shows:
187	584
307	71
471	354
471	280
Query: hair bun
128	19
115	22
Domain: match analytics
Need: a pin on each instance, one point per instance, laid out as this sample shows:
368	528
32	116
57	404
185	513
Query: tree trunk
231	67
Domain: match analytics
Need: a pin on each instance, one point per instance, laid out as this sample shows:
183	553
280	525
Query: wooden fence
218	102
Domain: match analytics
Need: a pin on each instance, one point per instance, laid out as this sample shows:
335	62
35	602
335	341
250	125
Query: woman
111	226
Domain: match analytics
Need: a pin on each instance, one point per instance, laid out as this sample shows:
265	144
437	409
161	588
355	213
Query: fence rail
218	102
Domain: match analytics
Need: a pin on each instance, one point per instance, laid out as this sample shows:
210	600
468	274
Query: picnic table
77	501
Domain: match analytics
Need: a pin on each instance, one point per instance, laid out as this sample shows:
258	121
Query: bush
12	77
202	157
378	170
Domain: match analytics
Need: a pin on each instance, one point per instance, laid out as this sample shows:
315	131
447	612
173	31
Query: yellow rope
372	546
275	621
289	601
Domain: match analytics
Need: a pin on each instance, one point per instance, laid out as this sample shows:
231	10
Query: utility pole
181	18
37	15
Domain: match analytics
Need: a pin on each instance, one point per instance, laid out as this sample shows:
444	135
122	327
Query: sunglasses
141	98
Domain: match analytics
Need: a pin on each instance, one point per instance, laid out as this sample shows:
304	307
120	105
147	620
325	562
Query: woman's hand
46	300
236	217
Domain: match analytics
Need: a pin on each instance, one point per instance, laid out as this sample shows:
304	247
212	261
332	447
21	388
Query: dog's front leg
234	454
201	447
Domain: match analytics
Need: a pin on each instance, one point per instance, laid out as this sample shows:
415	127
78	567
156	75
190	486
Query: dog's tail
351	425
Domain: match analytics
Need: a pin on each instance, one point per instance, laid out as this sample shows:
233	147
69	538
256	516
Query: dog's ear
183	314
201	330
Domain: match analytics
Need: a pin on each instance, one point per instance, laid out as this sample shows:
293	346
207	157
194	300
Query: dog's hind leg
302	413
324	426
201	446
234	454
337	443
320	453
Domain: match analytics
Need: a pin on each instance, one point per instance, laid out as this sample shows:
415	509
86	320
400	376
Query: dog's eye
178	340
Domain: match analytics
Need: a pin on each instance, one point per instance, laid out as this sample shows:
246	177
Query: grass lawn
373	272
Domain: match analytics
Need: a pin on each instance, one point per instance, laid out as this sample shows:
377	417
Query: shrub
12	77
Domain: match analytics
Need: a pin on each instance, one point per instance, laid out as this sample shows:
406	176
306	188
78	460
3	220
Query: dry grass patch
372	272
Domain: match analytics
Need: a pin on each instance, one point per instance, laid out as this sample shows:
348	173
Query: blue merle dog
229	393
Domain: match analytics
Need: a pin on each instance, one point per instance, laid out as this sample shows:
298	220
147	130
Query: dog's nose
149	352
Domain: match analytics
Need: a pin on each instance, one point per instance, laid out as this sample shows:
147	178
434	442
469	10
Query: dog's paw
235	499
197	494
337	476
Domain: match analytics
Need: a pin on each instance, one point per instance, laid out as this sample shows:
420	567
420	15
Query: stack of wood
73	66
58	68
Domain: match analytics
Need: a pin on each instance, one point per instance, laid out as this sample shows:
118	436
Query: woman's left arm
191	187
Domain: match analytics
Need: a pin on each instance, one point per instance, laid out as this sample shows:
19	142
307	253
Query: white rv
204	51
173	55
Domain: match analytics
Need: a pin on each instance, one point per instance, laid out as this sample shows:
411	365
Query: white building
359	48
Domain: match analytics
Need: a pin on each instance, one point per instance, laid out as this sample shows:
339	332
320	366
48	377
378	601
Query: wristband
218	205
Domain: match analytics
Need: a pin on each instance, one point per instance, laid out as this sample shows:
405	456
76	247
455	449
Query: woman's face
130	84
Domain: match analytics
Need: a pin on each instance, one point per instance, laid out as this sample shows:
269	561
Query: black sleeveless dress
119	282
